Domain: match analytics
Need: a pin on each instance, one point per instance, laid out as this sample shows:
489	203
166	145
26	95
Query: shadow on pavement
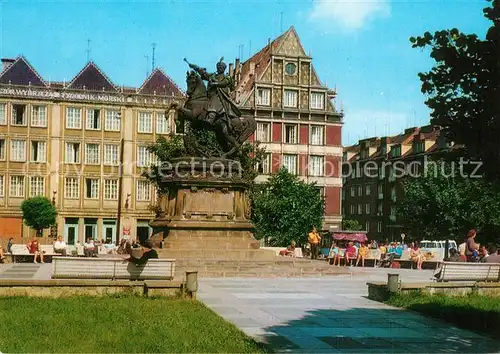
366	330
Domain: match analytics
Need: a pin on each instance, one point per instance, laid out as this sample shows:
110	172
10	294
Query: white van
437	247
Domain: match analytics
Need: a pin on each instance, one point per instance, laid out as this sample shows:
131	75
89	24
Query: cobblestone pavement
333	315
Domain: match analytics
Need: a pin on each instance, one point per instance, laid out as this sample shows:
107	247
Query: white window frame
113	121
367	226
360	209
144	158
263	96
360	191
110	150
294	134
317	139
353	191
17	186
266	165
92	157
18	156
71	188
94	188
14	115
3	143
290	98
90	119
110	189
317	100
39	116
3	113
37	186
368	189
316	166
368	208
379	226
162	123
261	134
41	147
78	156
2	185
143	191
73	118
292	159
145	122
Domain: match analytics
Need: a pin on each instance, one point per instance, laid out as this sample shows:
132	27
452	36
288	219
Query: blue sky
360	47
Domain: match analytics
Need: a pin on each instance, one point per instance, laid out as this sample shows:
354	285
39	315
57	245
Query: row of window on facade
38	153
418	147
112	121
357	209
290	98
315	168
17	186
368	191
290	133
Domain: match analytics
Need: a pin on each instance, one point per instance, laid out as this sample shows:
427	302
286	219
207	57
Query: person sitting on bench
148	252
34	249
60	246
90	249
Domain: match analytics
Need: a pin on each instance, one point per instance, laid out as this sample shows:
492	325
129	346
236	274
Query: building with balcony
374	170
65	140
297	120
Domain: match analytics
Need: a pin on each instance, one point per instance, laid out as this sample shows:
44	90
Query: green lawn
474	312
116	324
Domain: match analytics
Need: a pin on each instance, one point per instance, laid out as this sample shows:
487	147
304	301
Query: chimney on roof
269	41
231	69
237	70
6	62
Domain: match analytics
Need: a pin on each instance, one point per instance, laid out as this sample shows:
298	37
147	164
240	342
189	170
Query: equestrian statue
211	109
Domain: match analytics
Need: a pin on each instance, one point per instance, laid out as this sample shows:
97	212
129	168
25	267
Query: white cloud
350	14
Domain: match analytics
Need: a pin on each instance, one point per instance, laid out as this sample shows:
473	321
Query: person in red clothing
34	248
350	253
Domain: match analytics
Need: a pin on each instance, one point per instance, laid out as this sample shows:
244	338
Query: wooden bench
21	251
463	271
111	268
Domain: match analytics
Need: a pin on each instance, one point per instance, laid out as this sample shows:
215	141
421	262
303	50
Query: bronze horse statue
231	133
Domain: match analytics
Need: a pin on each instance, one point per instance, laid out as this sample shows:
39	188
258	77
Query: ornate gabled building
65	141
297	121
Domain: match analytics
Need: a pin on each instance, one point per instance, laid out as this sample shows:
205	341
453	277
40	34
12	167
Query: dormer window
396	151
419	147
364	154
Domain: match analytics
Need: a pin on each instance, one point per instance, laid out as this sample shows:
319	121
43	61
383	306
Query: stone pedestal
204	212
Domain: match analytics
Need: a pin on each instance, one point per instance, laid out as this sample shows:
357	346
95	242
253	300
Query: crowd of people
355	253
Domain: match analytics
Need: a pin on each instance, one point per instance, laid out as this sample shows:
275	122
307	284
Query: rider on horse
220	105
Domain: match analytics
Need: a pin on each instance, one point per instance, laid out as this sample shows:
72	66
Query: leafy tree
438	206
463	88
352	225
285	209
38	213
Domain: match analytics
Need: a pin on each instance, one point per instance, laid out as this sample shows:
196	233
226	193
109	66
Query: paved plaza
333	315
324	314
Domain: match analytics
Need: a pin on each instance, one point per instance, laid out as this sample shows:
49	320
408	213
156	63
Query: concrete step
247	254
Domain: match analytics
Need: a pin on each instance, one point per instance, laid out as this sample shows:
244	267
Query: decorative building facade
66	140
374	171
297	121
